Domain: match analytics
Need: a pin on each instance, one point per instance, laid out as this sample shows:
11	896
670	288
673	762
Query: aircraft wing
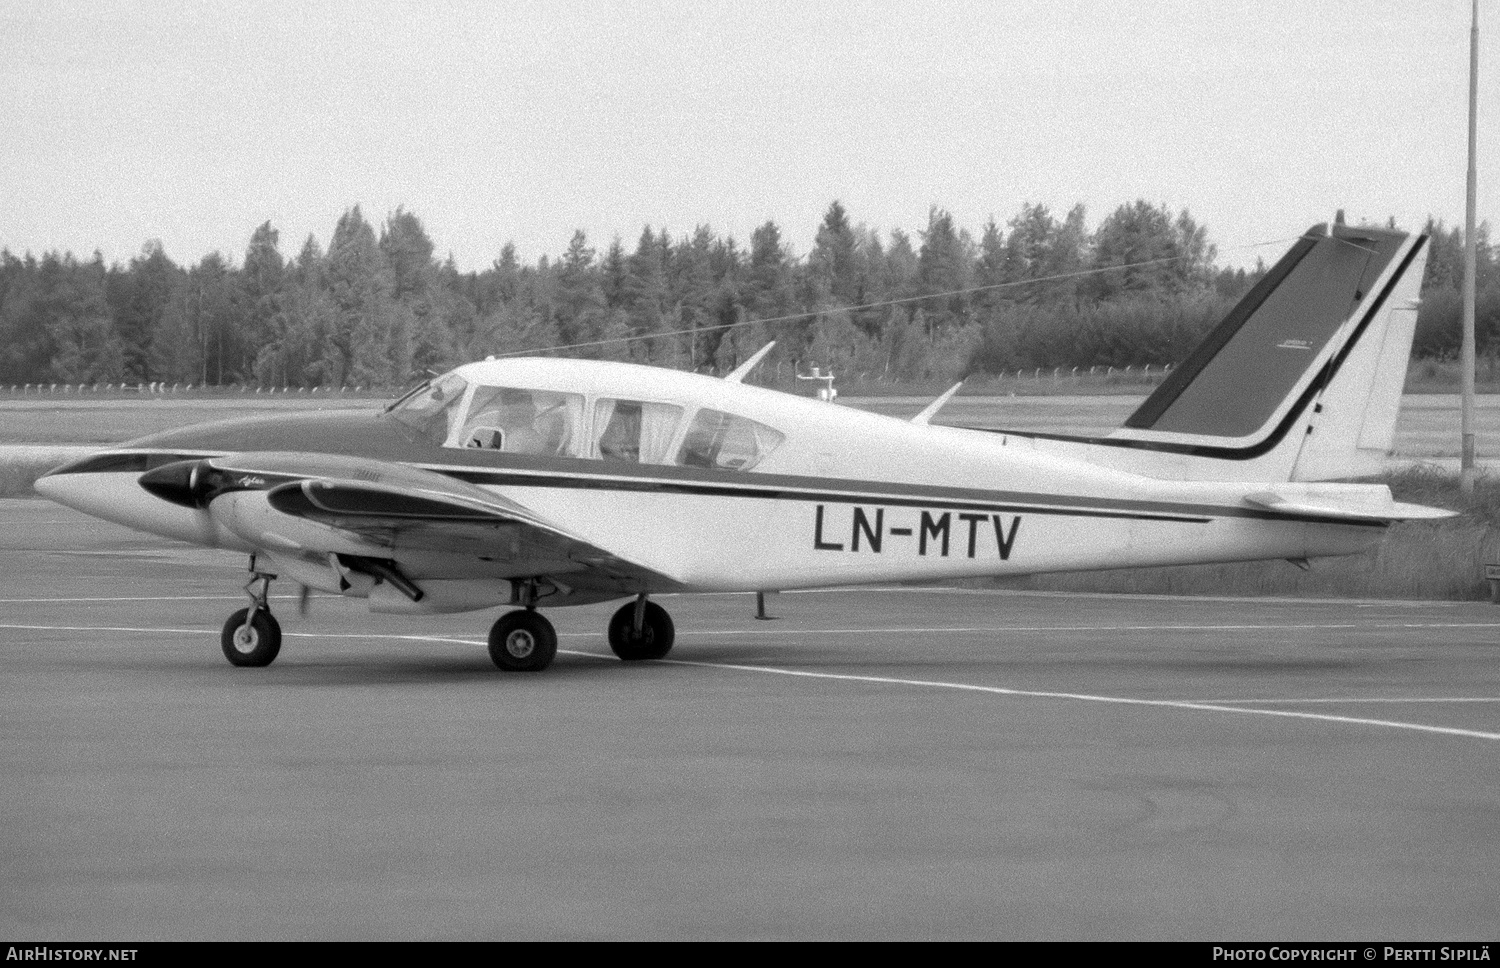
429	522
441	514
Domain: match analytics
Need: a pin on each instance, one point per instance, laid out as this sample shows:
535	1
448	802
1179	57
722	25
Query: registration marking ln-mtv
548	482
868	530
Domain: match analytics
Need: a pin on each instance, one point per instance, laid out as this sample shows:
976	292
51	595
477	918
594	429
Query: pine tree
943	267
832	264
70	303
262	293
644	299
1155	252
364	347
581	316
138	296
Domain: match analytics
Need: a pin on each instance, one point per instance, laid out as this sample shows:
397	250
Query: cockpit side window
431	409
520	421
726	441
634	430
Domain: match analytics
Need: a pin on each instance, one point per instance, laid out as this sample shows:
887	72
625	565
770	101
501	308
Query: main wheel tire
655	638
255	643
522	642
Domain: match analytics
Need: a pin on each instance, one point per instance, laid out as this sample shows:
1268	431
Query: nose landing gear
252	636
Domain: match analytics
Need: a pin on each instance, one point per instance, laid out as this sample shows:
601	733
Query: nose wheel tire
253	643
522	642
653	641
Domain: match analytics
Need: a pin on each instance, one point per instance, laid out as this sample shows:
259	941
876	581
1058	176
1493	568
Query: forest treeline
376	308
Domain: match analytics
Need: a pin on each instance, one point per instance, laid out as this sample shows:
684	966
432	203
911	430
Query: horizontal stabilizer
1349	504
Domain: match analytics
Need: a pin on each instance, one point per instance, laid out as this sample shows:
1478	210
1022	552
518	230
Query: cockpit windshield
430	409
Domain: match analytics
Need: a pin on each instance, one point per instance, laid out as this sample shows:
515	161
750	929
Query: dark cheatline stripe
834	491
863	493
124	462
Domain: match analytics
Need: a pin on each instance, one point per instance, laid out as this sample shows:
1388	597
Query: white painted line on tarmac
287	635
1373	624
1085	697
215	631
1350	699
95	628
150	598
1226	706
1188	600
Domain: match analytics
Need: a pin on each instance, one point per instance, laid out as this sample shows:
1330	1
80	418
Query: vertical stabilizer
1302	380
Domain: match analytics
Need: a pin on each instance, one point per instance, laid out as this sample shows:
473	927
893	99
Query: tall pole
1466	471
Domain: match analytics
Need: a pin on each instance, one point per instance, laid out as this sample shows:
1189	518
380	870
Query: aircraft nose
108	485
72	484
49	485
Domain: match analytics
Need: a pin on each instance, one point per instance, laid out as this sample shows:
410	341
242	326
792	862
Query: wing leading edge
431	528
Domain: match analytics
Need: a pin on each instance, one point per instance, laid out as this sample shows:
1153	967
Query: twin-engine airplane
539	482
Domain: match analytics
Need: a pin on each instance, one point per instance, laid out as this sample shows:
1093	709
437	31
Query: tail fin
1303	378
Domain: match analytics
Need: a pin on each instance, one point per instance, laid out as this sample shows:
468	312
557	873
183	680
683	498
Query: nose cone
51	487
108	486
163	484
99	493
75	483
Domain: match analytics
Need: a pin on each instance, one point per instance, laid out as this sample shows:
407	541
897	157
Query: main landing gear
641	630
252	636
524	641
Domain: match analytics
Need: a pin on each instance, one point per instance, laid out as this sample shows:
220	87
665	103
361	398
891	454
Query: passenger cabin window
634	430
520	421
725	441
517	420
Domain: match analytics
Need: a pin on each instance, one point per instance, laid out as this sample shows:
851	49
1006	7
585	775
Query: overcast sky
194	123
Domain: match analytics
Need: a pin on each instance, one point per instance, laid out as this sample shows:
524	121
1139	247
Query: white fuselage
842	497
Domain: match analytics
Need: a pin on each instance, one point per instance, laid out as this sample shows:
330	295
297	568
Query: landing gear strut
252	636
523	641
641	630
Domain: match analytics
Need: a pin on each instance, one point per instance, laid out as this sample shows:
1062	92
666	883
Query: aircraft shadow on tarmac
311	666
313	672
